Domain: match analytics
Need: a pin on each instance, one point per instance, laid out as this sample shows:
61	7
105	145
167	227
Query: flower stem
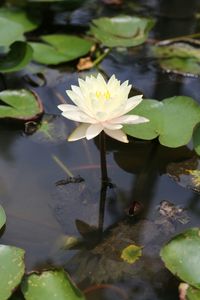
101	57
104	180
104	174
174	39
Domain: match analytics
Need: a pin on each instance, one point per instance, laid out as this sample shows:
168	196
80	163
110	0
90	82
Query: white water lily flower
101	106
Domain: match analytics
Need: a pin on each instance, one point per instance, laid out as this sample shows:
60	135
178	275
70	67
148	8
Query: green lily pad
10	32
193	294
17	58
18	16
45	54
60	48
148	130
181	256
182	57
181	66
2	217
50	285
131	253
181	49
172	120
179	116
121	31
11	269
196	139
20	104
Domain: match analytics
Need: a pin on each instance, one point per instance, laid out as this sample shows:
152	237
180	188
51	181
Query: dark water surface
40	212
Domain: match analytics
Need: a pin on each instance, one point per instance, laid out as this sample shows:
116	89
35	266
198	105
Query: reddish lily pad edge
39	108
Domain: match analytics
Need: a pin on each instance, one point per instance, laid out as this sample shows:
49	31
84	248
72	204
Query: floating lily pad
182	57
131	253
50	285
46	54
18	16
186	173
60	48
196	139
148	131
2	217
187	67
193	294
121	31
173	120
181	256
181	49
179	116
17	58
10	32
11	270
20	105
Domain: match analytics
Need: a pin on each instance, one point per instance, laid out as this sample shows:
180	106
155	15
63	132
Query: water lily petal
78	115
132	103
117	135
129	119
67	107
76	90
125	84
93	131
113	84
74	97
103	105
112	126
78	133
101	79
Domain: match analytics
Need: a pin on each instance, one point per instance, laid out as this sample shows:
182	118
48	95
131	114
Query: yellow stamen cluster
105	95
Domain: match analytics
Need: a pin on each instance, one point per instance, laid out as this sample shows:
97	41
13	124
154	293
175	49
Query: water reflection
41	213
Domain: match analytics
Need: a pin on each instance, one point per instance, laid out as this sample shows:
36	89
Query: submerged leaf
20	104
102	261
181	256
121	31
186	173
131	253
19	56
51	129
11	270
50	285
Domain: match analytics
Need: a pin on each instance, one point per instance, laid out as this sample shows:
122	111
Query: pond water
43	214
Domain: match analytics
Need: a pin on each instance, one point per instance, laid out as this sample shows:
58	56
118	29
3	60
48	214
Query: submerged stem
63	167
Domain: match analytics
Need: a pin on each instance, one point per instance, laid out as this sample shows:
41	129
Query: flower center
105	95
